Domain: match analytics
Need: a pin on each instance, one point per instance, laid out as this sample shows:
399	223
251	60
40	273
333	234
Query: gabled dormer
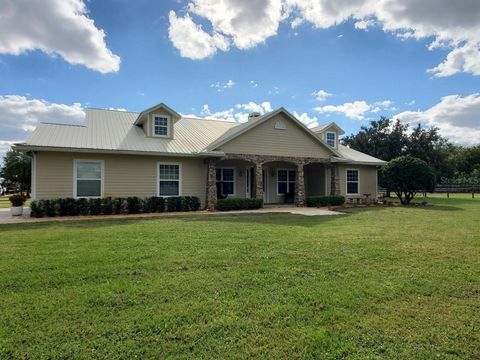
158	121
329	133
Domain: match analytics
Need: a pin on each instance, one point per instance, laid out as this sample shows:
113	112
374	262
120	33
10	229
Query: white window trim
234	179
334	140
179	178
102	178
288	181
346	181
168	125
34	177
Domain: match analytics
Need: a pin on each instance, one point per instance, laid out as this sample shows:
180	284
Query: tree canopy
16	171
405	175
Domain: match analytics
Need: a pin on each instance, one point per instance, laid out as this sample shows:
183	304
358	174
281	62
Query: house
158	152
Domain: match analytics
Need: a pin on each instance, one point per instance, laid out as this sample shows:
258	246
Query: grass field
391	283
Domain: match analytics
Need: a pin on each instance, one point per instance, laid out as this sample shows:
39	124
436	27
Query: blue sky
224	61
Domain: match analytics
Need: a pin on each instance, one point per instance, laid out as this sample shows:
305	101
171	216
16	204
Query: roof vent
254	115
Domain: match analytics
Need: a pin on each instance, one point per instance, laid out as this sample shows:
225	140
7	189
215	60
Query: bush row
238	204
108	206
329	200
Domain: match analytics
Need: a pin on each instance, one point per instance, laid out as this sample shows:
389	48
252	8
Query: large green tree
406	175
16	171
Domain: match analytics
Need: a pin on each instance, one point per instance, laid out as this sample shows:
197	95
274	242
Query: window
160	125
88	178
169	176
226	181
352	182
331	139
285	181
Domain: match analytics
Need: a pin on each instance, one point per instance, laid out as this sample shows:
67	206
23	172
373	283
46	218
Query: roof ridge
52	123
120	111
217	120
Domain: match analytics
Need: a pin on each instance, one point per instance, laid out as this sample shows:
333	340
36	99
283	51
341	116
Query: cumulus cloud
309	121
321	95
237	113
19	116
354	110
451	25
457	117
56	27
191	40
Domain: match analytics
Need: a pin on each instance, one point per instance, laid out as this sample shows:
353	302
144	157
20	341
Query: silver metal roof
115	131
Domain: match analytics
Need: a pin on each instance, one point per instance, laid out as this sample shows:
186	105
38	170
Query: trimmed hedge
329	200
238	204
108	206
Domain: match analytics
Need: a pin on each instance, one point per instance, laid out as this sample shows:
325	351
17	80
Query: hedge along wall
109	206
238	204
332	200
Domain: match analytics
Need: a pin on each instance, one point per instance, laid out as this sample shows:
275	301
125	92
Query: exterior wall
240	181
266	140
124	175
273	197
367	177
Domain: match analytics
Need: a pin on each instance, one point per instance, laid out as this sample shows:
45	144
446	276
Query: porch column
334	180
300	185
258	180
211	199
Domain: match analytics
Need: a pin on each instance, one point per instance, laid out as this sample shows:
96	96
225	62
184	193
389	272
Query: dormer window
331	138
160	125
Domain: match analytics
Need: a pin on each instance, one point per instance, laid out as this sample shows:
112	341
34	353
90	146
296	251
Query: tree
16	171
406	175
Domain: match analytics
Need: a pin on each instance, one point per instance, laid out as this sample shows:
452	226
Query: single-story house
158	152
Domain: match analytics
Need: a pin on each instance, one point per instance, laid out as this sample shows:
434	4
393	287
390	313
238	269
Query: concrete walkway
7	218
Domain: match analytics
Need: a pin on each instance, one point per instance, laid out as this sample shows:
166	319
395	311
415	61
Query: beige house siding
264	139
124	175
367	177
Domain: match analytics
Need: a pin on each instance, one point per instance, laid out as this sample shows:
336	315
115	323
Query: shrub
174	203
95	206
154	204
194	203
328	200
118	206
133	205
107	206
17	199
36	210
238	204
83	207
67	207
48	207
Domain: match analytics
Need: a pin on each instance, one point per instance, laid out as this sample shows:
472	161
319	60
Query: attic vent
253	115
280	125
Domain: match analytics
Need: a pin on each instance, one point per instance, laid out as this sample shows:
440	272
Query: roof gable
281	113
141	118
325	127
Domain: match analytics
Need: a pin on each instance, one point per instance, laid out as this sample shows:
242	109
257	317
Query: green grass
391	283
5	203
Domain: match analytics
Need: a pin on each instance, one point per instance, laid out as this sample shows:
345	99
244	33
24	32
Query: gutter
26	147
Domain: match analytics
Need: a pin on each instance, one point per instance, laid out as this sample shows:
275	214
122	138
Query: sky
347	61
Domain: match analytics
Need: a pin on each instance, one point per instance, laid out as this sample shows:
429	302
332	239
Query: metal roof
115	131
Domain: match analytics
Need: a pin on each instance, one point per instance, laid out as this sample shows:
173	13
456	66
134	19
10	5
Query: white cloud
191	40
321	95
4	147
309	121
410	103
457	117
59	27
253	83
221	86
237	113
354	110
452	25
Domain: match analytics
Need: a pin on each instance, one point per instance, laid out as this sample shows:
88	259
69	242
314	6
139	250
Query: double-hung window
160	125
285	181
352	182
169	179
88	178
226	181
331	138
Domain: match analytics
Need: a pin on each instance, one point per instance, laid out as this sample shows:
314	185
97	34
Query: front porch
275	179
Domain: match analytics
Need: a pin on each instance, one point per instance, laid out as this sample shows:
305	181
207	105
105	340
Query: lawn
392	283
